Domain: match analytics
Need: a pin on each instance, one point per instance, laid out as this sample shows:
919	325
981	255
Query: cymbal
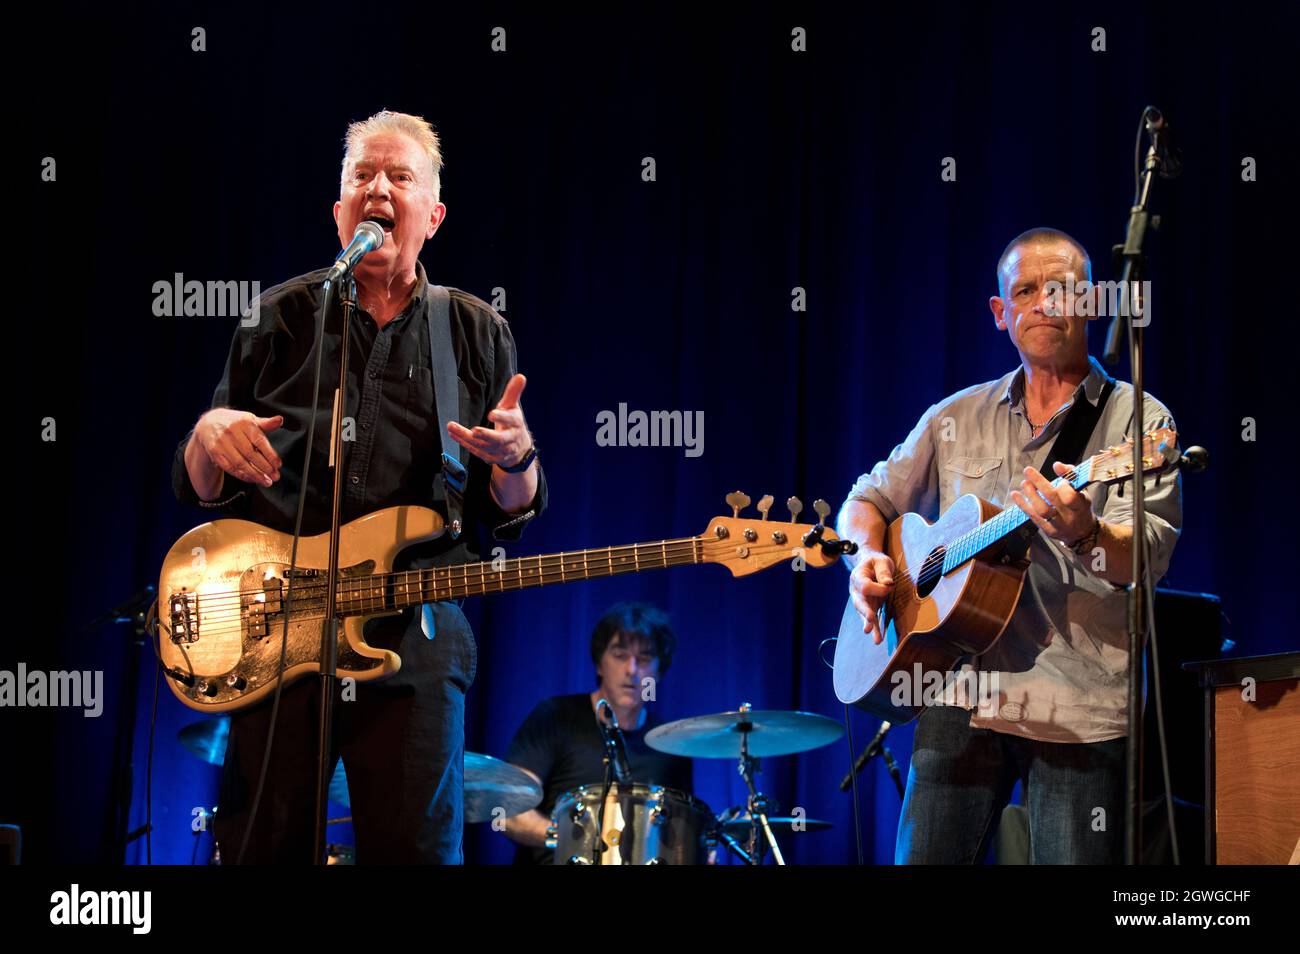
771	732
491	784
206	739
339	787
740	825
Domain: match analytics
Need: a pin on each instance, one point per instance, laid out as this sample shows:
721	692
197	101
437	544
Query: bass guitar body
221	599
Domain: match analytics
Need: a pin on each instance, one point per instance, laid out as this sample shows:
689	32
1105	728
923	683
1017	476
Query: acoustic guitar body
932	623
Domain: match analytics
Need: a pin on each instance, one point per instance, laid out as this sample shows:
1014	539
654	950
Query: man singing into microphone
402	739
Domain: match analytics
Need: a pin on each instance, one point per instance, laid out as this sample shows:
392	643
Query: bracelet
524	463
1083	546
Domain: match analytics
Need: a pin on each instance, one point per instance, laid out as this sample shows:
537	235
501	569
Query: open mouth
382	221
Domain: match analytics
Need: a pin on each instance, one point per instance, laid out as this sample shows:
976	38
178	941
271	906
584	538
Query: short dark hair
641	621
1040	234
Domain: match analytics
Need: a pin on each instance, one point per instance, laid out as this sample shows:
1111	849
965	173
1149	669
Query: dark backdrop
775	169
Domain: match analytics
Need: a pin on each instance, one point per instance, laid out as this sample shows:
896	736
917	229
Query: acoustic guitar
956	584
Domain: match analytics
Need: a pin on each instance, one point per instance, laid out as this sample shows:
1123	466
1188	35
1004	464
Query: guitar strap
450	479
1080	422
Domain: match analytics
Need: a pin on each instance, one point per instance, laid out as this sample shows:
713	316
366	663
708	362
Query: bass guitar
224	594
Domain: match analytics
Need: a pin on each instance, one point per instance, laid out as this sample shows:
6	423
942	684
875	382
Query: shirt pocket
974	475
420	400
419	426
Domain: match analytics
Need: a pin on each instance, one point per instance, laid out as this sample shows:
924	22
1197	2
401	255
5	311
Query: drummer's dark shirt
560	742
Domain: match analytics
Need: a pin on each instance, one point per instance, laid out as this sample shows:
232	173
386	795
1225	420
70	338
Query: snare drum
643	825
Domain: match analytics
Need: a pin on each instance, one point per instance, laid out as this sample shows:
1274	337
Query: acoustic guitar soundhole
931	572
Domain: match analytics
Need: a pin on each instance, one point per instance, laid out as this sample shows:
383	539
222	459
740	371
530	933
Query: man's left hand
1061	512
506	442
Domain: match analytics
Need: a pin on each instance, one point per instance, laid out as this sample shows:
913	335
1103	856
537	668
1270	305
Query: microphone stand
893	770
329	644
875	747
1133	255
599	847
134	611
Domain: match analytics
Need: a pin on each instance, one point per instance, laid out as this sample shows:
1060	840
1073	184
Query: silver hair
415	127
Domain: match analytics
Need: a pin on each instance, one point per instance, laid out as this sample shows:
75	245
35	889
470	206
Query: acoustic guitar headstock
1112	464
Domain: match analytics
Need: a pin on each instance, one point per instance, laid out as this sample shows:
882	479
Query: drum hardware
728	839
747	735
641	825
747	767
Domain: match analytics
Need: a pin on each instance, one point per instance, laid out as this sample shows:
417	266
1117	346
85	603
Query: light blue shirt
1061	665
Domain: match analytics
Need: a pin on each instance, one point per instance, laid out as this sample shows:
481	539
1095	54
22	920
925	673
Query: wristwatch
523	464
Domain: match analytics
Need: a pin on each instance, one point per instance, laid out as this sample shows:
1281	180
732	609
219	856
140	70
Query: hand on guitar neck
1061	512
1065	515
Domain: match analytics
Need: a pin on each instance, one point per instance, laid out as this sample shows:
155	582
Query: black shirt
396	450
561	743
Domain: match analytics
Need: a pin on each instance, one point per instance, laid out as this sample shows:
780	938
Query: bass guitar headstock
746	545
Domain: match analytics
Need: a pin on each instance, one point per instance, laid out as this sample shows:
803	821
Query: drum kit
627	823
652	825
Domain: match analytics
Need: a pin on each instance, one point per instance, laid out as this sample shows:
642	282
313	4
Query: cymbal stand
757	800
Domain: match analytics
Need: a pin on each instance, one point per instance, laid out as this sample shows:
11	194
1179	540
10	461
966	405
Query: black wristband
524	463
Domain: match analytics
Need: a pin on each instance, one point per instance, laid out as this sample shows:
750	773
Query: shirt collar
1091	386
419	294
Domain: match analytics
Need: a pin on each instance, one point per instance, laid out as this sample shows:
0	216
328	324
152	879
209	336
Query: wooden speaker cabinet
1252	759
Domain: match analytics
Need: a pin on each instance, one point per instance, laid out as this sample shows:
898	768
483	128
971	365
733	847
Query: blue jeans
402	742
961	779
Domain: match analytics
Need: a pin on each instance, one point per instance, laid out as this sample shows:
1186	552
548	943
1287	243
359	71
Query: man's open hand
506	442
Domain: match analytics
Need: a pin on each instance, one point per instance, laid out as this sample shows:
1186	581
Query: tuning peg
823	509
738	500
795	506
764	505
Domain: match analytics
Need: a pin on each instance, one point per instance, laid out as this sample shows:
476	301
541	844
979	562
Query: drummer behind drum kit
634	823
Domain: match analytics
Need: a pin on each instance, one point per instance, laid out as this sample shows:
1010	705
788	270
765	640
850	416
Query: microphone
1167	159
1194	460
1162	140
614	740
366	239
872	748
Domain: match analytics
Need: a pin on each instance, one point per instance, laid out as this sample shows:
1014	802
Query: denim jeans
961	779
402	742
